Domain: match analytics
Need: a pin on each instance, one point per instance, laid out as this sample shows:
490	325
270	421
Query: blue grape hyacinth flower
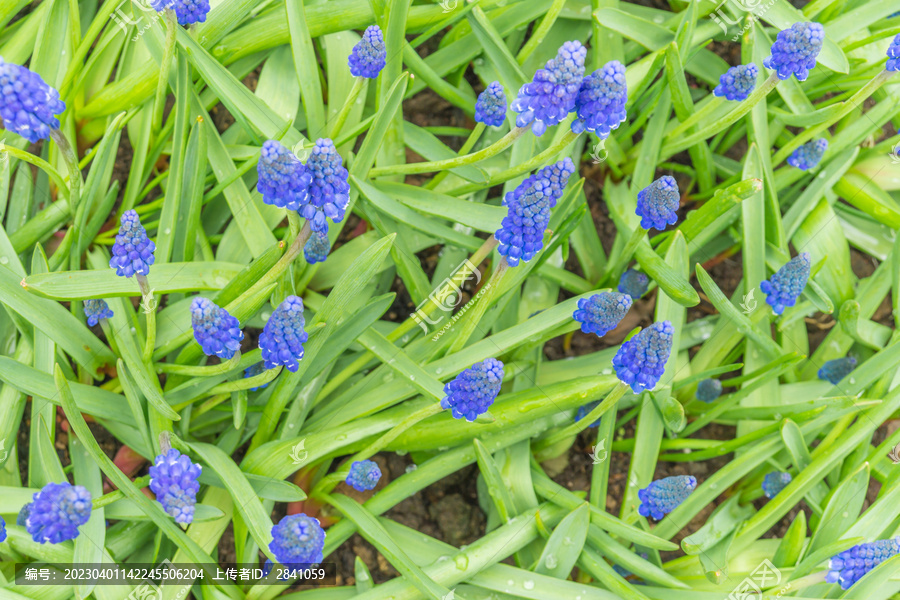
254	370
585	409
601	100
95	310
283	336
317	247
737	83
657	203
364	475
835	370
521	233
641	361
708	390
22	517
808	155
490	108
795	50
851	565
173	478
132	254
283	180
550	96
893	52
217	332
57	511
473	391
186	11
664	495
329	191
297	539
786	285
28	105
634	283
601	313
774	482
369	55
2	530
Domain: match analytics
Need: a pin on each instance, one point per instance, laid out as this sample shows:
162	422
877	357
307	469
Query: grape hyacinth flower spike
601	313
28	105
369	55
795	50
835	370
490	108
254	370
173	478
317	247
550	96
601	100
774	482
132	254
282	338
657	203
584	410
634	283
808	155
2	530
737	83
641	361
893	52
297	539
521	233
22	517
283	180
851	565
473	391
95	310
664	495
57	511
708	390
217	332
364	475
786	285
329	191
186	11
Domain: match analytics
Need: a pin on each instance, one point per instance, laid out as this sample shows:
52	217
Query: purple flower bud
369	55
186	11
809	154
58	510
550	97
473	391
282	338
283	180
737	82
851	565
786	285
490	108
364	475
835	370
329	191
893	52
641	361
297	539
585	409
217	332
657	203
173	478
28	105
601	313
774	482
634	283
2	530
317	247
664	495
132	254
708	390
95	310
22	517
795	50
601	100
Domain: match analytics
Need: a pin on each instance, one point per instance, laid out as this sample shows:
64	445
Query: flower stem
198	371
68	154
159	103
246	383
466	147
148	304
451	163
481	305
341	118
848	105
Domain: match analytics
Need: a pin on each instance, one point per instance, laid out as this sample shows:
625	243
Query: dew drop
551	561
462	562
411	468
402	452
341	437
528	584
510	582
167	231
3	260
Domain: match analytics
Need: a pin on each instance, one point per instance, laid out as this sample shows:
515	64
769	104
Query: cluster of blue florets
774	482
634	283
600	104
217	332
57	511
329	191
585	410
737	82
835	370
795	50
297	539
809	154
851	565
786	285
490	108
473	391
317	247
551	95
658	202
601	313
28	105
186	11
521	234
664	495
364	475
132	254
173	478
641	361
369	55
283	179
893	52
708	390
283	337
95	310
